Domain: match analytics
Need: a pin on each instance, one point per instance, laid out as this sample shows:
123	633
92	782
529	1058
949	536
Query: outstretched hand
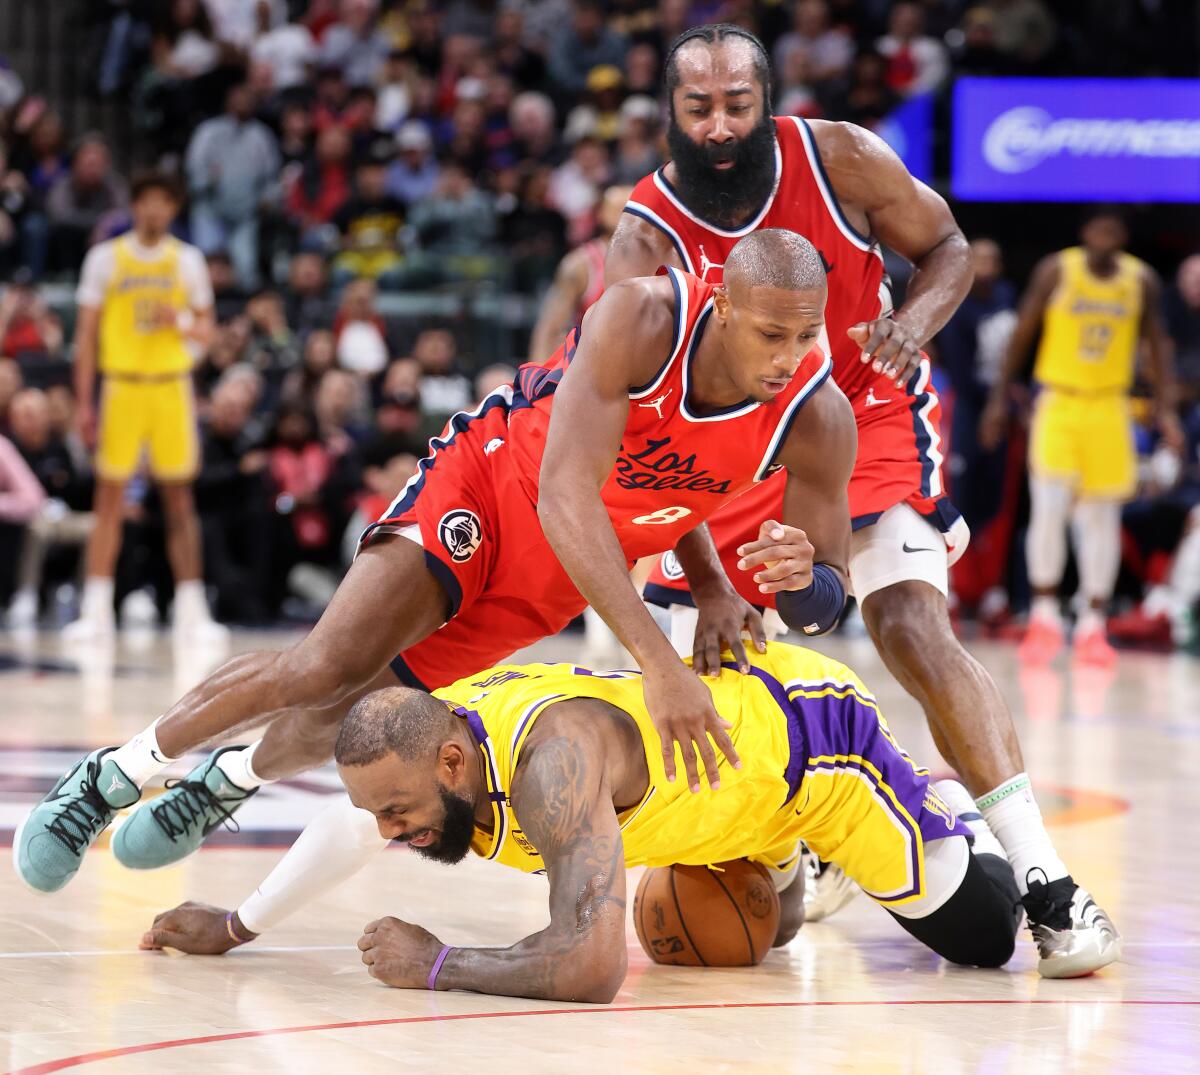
196	928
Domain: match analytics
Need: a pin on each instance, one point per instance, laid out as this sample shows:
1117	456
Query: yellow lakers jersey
131	339
1090	332
752	815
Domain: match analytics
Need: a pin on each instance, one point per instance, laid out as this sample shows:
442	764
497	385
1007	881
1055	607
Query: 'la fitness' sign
1050	139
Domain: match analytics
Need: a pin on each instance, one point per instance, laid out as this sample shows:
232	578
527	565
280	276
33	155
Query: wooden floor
1116	758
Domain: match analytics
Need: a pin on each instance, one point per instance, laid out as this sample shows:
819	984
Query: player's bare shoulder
637	248
824	436
633	324
855	159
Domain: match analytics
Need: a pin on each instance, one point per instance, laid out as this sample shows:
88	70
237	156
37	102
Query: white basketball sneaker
1074	935
827	889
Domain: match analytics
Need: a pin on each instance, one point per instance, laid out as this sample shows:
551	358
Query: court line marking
46	1067
95	953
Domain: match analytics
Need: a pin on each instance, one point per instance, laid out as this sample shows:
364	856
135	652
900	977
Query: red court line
155	1046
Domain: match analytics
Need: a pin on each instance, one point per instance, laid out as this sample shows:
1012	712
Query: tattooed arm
563	800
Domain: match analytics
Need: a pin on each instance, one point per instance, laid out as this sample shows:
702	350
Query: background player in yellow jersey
1095	304
557	768
145	310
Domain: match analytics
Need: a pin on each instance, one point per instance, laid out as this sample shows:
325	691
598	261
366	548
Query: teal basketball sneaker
49	846
175	824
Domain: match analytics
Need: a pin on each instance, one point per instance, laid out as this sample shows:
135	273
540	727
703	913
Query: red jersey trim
789	416
680	333
647	214
852	234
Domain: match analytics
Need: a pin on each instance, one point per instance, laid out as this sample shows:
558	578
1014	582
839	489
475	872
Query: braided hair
712	34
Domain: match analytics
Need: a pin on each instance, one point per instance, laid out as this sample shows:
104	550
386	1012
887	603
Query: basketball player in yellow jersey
145	310
1095	305
558	769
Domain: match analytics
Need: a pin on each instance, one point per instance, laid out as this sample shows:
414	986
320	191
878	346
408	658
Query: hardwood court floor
1115	757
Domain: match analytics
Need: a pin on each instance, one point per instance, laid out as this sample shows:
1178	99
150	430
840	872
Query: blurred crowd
335	151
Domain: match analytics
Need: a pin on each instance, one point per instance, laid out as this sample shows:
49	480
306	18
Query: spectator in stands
581	44
321	188
643	70
445	389
21	498
340	408
64	518
488	379
827	49
354	44
229	297
320	356
79	200
272	348
370	222
532	232
27	324
637	153
1025	30
399	408
184	46
232	168
455	224
389	460
414	174
525	66
306	298
227	350
299	467
532	120
575	186
295	135
20	243
1183	322
916	62
237	23
397	91
47	159
286	48
232	501
865	97
11	382
360	331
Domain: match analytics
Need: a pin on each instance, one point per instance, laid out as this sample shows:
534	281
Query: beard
458	829
726	197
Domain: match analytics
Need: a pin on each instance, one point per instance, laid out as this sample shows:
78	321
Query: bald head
777	258
396	720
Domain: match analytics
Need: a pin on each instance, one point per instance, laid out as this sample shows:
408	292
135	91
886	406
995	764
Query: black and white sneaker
1074	935
827	889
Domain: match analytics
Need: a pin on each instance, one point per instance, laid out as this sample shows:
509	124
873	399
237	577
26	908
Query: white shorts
900	546
681	626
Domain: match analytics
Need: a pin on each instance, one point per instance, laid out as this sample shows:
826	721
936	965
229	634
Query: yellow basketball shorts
152	417
1086	441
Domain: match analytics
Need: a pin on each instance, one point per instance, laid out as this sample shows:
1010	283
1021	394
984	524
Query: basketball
698	916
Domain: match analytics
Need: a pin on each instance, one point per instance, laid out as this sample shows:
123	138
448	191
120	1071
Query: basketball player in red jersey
735	169
674	397
578	280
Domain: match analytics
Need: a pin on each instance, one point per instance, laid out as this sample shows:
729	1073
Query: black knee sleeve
977	926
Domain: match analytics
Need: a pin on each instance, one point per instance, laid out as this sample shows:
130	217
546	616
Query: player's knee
908	621
992	945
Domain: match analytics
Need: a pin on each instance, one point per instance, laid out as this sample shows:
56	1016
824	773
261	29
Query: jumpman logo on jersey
872	401
657	404
706	264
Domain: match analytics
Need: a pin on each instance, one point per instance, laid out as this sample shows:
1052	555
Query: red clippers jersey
803	202
674	467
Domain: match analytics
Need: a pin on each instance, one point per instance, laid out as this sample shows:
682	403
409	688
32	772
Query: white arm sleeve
196	280
94	276
337	843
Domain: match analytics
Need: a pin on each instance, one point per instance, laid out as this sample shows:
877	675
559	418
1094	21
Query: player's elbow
600	976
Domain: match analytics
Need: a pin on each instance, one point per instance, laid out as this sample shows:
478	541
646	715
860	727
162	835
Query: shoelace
177	813
1052	902
86	812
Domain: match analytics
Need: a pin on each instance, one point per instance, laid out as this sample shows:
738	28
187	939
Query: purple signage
1076	139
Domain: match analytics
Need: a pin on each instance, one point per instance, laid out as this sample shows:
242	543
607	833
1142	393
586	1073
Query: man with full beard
735	169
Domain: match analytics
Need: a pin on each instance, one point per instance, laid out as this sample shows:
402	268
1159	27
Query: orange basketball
698	916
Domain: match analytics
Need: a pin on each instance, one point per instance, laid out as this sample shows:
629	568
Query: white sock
1046	610
190	601
237	765
97	599
1012	814
1090	619
142	757
959	800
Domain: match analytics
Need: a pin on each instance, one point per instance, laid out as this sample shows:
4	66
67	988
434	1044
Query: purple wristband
431	983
